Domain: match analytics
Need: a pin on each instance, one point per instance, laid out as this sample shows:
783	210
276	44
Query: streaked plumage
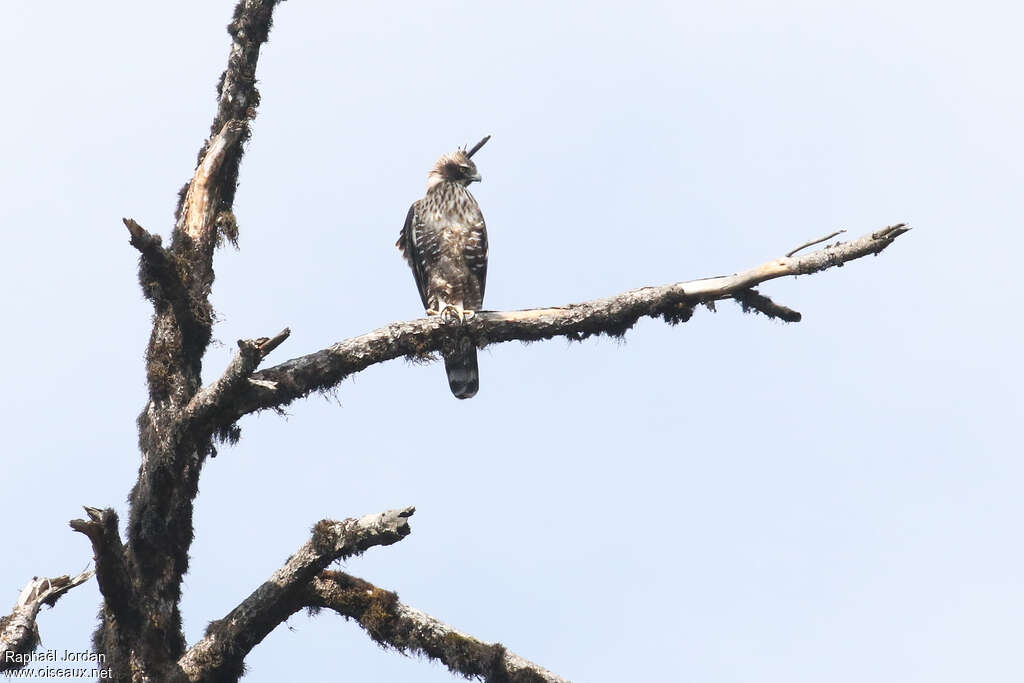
444	241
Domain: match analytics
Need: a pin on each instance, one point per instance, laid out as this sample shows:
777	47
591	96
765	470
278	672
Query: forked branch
220	655
251	353
19	635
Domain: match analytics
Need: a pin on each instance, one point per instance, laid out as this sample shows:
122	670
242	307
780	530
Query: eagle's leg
457	311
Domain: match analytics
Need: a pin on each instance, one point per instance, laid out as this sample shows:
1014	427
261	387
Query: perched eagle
445	242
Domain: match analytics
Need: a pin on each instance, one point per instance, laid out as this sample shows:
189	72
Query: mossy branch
391	623
111	568
220	655
280	385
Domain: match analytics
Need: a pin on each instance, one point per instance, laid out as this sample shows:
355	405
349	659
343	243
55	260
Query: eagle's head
453	168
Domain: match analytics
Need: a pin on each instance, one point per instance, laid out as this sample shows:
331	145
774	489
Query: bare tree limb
220	655
279	385
394	624
19	634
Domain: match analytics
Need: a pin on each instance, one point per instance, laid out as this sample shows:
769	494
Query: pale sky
733	499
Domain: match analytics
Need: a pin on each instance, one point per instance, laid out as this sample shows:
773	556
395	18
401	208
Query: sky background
733	499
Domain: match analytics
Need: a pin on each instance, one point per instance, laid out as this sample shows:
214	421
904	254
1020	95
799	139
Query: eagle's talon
458	312
449	312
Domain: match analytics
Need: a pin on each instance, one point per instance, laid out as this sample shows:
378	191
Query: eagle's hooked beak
477	178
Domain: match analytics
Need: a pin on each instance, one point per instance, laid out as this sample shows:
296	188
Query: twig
817	241
267	345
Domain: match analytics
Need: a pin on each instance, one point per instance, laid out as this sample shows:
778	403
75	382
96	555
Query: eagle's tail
460	364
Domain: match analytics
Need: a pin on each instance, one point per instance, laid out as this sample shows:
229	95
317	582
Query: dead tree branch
19	635
279	385
220	655
394	624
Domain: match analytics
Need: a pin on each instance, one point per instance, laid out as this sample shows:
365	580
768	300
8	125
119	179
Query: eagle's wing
476	251
409	247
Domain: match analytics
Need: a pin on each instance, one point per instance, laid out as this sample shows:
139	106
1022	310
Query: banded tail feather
463	373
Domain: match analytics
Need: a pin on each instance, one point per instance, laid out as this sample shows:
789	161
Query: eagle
444	240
